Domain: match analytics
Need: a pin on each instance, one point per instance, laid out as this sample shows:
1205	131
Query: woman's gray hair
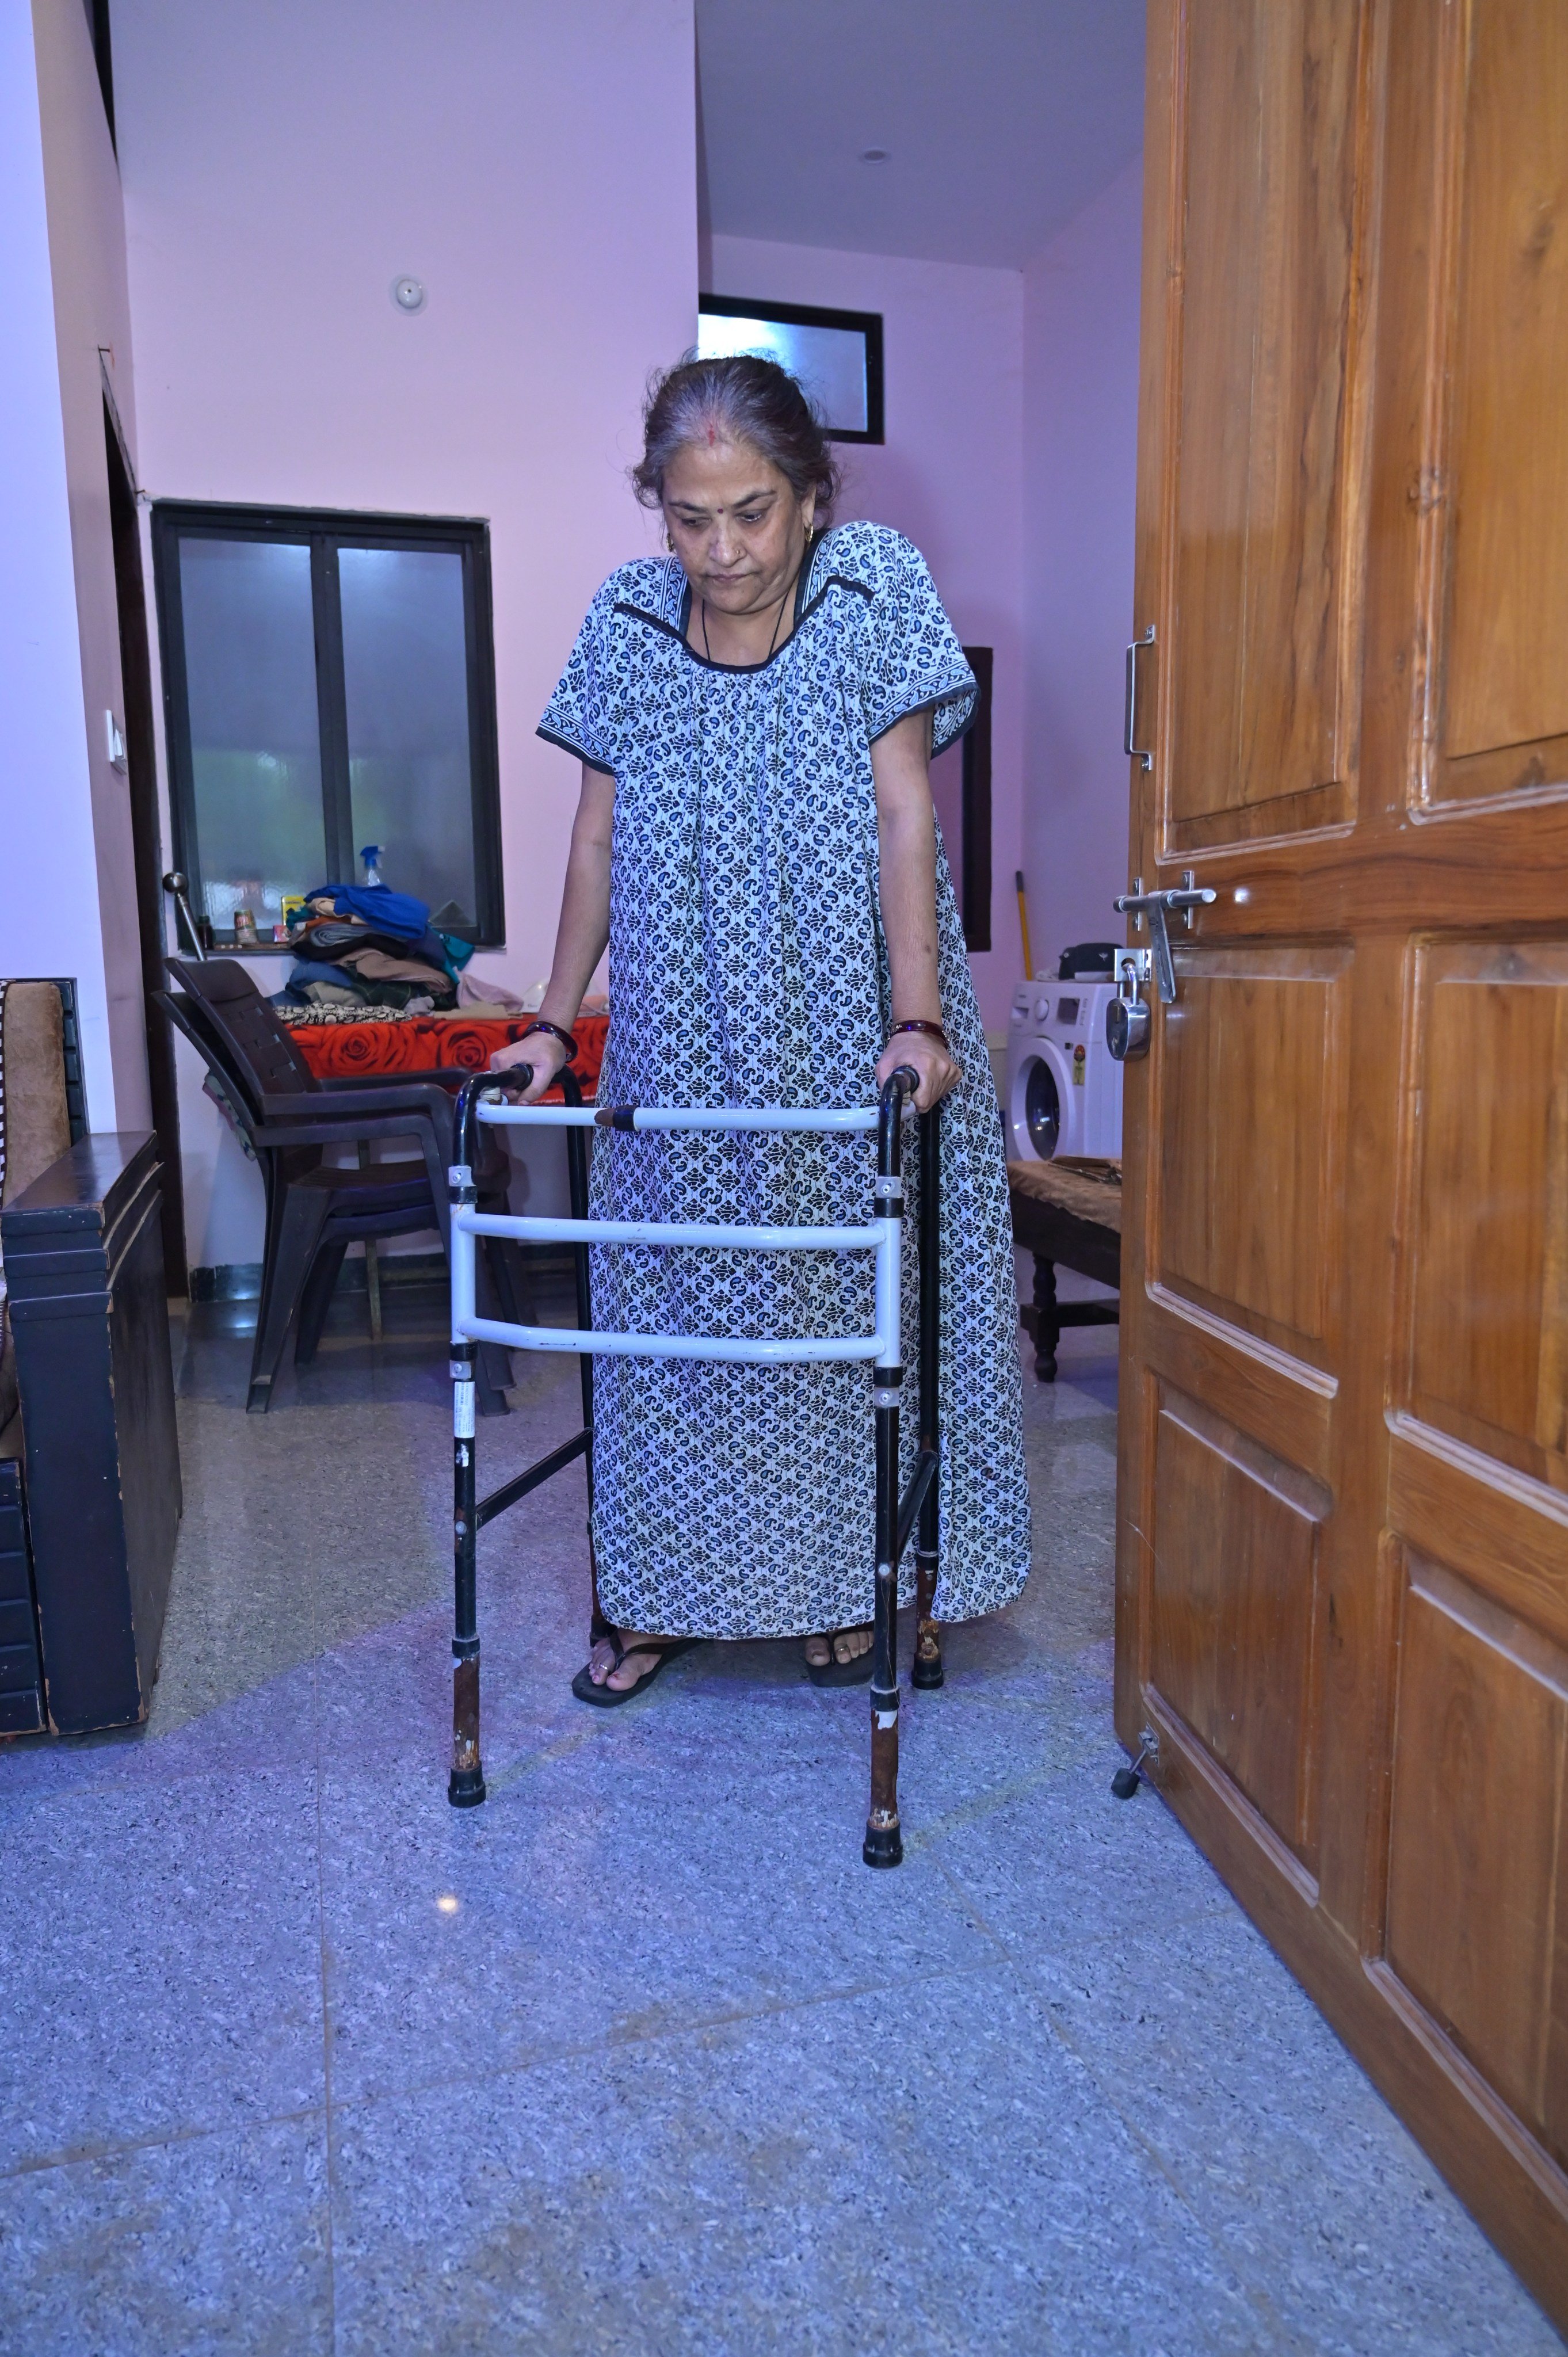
744	399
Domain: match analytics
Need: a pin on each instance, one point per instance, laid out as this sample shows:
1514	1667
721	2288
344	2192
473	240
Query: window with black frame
835	355
329	686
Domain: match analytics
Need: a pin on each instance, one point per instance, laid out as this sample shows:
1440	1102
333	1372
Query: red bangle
918	1023
539	1024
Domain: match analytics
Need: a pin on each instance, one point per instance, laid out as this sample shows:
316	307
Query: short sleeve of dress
915	662
582	714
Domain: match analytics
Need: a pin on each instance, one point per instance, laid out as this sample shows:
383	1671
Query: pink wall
66	898
948	476
1081	436
535	166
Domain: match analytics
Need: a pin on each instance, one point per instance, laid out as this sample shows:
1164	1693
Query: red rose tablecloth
423	1043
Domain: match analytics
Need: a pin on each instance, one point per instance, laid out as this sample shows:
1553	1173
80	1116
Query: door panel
1489	1247
1267	573
1504	726
1498	1530
1342	1559
1250	1181
1479	1741
1285	1403
1235	1609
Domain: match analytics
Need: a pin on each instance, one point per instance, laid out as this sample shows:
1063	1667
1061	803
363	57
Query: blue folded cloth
398	913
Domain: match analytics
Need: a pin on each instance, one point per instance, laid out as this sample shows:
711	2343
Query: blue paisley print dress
747	967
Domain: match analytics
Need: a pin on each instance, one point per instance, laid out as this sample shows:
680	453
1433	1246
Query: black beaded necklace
777	619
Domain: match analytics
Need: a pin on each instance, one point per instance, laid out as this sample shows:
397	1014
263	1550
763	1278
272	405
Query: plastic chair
315	1208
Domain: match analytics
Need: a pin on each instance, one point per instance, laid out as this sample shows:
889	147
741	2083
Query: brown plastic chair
315	1209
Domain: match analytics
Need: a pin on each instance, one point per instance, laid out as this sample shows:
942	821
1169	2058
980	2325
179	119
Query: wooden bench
1066	1213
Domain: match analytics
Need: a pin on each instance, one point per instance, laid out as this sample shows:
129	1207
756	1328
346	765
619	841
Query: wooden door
1343	1548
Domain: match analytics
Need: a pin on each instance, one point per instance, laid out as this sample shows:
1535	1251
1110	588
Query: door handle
1130	745
1159	907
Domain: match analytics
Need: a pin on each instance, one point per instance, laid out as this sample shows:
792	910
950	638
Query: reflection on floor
640	2057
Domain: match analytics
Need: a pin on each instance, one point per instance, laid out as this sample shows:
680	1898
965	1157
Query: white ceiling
1002	120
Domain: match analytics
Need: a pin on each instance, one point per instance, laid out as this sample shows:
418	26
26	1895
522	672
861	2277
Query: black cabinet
90	1321
21	1671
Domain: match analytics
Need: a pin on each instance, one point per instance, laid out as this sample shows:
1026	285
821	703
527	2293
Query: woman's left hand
939	1069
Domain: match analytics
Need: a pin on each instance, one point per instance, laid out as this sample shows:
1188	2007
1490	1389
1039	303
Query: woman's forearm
907	849
584	927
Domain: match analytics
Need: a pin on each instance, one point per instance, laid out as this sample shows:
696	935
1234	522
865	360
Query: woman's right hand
546	1054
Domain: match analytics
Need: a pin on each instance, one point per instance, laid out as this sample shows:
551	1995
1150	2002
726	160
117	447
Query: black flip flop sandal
833	1673
608	1697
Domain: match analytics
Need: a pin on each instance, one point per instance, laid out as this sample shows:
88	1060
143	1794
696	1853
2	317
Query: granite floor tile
199	2246
639	2056
596	1898
863	2175
1068	1865
1281	2144
163	1962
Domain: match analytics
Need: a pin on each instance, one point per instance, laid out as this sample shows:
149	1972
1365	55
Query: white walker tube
704	1234
765	1117
462	1256
809	1352
889	1294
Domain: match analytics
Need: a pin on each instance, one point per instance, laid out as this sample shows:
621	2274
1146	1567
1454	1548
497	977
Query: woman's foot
838	1646
634	1666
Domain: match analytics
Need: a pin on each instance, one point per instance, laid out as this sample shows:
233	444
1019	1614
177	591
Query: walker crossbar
897	1516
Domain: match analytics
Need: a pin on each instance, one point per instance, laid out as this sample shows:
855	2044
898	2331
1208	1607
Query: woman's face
736	525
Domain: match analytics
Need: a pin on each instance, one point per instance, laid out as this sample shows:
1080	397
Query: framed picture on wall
836	355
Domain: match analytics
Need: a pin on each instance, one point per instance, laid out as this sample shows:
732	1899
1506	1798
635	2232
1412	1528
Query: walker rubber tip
927	1676
883	1846
466	1787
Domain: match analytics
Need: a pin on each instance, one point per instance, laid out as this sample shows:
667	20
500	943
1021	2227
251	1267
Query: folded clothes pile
364	945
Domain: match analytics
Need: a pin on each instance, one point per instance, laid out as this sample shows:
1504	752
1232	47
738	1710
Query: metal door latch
1159	907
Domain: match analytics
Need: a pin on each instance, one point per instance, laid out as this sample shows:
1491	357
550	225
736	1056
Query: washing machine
1064	1086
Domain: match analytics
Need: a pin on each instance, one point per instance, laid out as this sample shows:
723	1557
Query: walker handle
514	1082
899	1084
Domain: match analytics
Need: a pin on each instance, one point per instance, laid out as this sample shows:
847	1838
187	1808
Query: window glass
255	738
405	685
830	362
330	685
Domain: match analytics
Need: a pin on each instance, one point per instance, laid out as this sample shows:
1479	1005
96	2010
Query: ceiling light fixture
873	155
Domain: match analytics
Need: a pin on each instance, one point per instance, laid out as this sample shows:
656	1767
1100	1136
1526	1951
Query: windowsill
280	949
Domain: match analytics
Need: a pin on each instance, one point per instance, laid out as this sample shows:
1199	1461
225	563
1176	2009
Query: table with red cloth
427	1043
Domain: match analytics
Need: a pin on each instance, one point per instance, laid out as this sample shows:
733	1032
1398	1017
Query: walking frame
897	1516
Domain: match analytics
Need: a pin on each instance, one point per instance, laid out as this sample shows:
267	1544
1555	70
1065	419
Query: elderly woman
755	840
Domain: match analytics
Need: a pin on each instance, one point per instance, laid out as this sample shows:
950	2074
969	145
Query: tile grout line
596	2047
74	2156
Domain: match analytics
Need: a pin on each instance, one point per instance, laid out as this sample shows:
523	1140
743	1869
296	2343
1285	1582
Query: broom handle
1024	927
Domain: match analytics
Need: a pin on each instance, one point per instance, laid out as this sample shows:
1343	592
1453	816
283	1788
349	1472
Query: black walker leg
884	1844
927	1669
466	1786
577	1181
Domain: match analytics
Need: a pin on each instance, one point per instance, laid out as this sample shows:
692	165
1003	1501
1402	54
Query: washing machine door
1037	1111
